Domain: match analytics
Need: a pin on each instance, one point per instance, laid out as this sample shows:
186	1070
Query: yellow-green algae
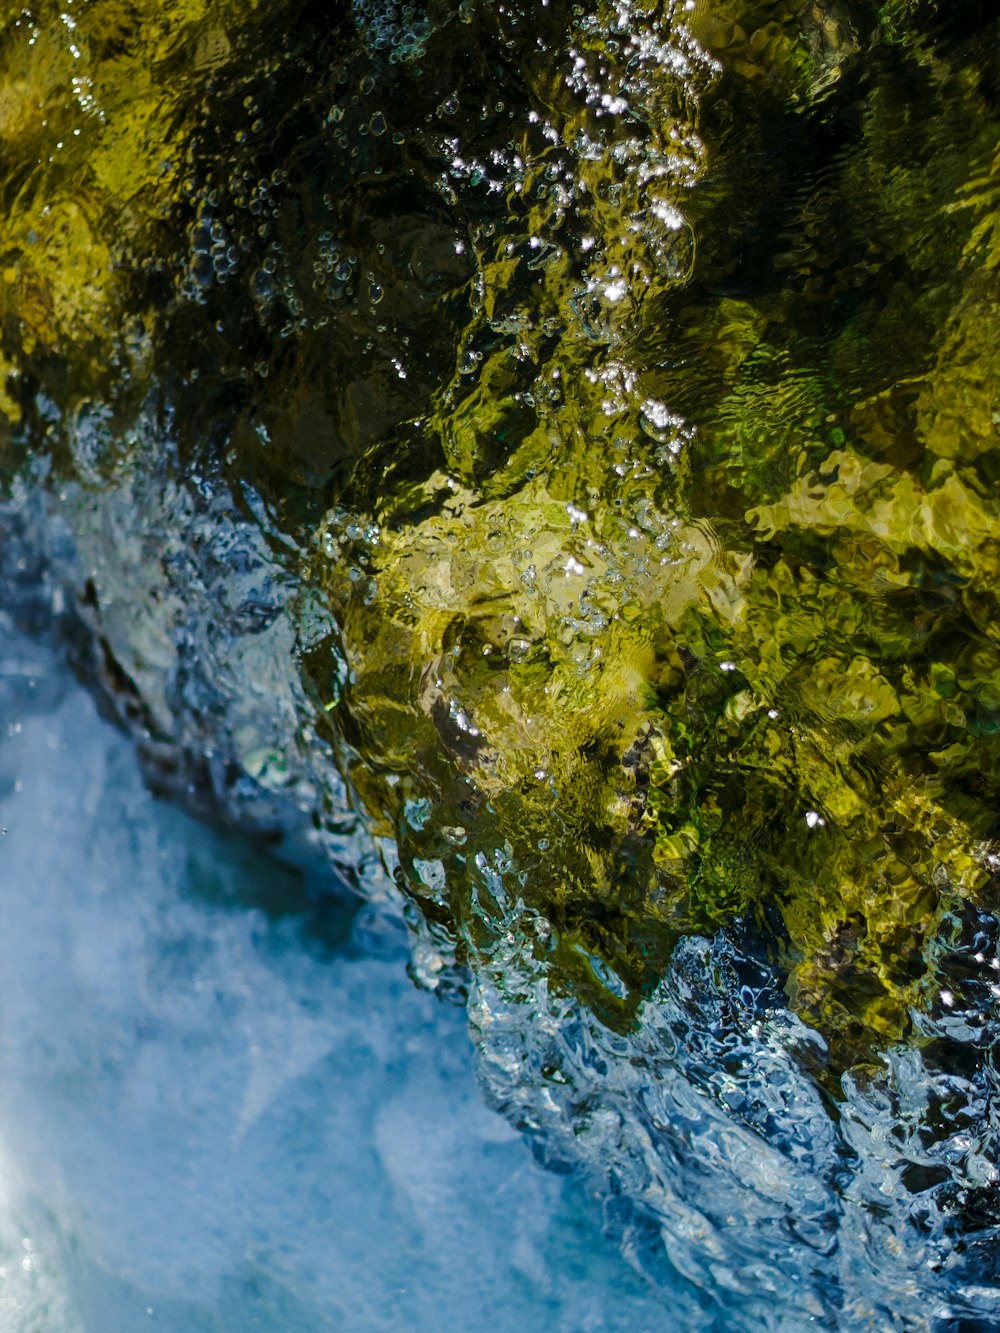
718	634
97	105
665	580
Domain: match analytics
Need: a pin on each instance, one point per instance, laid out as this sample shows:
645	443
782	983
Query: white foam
209	1121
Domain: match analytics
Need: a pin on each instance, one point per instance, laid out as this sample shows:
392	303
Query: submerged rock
563	443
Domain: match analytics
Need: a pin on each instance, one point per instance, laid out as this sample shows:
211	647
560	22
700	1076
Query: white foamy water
219	1117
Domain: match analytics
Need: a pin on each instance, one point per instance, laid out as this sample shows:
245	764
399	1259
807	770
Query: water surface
219	1117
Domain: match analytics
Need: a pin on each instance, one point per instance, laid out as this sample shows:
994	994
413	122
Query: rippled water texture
223	1108
541	461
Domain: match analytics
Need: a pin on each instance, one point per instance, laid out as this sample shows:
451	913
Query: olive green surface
629	380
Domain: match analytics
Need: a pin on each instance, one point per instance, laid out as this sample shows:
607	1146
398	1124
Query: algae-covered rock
709	632
651	381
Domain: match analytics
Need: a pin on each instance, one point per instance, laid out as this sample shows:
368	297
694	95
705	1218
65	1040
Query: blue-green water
223	1117
563	444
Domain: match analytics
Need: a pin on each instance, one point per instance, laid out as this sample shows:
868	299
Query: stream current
224	1107
531	467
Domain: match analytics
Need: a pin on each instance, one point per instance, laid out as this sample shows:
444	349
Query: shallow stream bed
534	466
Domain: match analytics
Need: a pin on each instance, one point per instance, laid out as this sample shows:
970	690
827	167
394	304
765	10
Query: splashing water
217	1115
546	460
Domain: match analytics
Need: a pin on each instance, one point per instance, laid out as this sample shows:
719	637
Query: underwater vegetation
563	438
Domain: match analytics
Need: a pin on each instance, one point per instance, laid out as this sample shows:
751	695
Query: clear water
539	259
221	1116
699	1143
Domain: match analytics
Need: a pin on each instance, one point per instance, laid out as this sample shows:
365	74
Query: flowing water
534	467
225	1107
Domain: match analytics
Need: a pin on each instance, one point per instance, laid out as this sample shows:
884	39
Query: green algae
730	647
630	378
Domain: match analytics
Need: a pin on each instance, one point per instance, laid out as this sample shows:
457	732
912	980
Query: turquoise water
225	1108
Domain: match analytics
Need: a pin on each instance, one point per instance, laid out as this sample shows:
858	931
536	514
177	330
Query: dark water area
535	465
